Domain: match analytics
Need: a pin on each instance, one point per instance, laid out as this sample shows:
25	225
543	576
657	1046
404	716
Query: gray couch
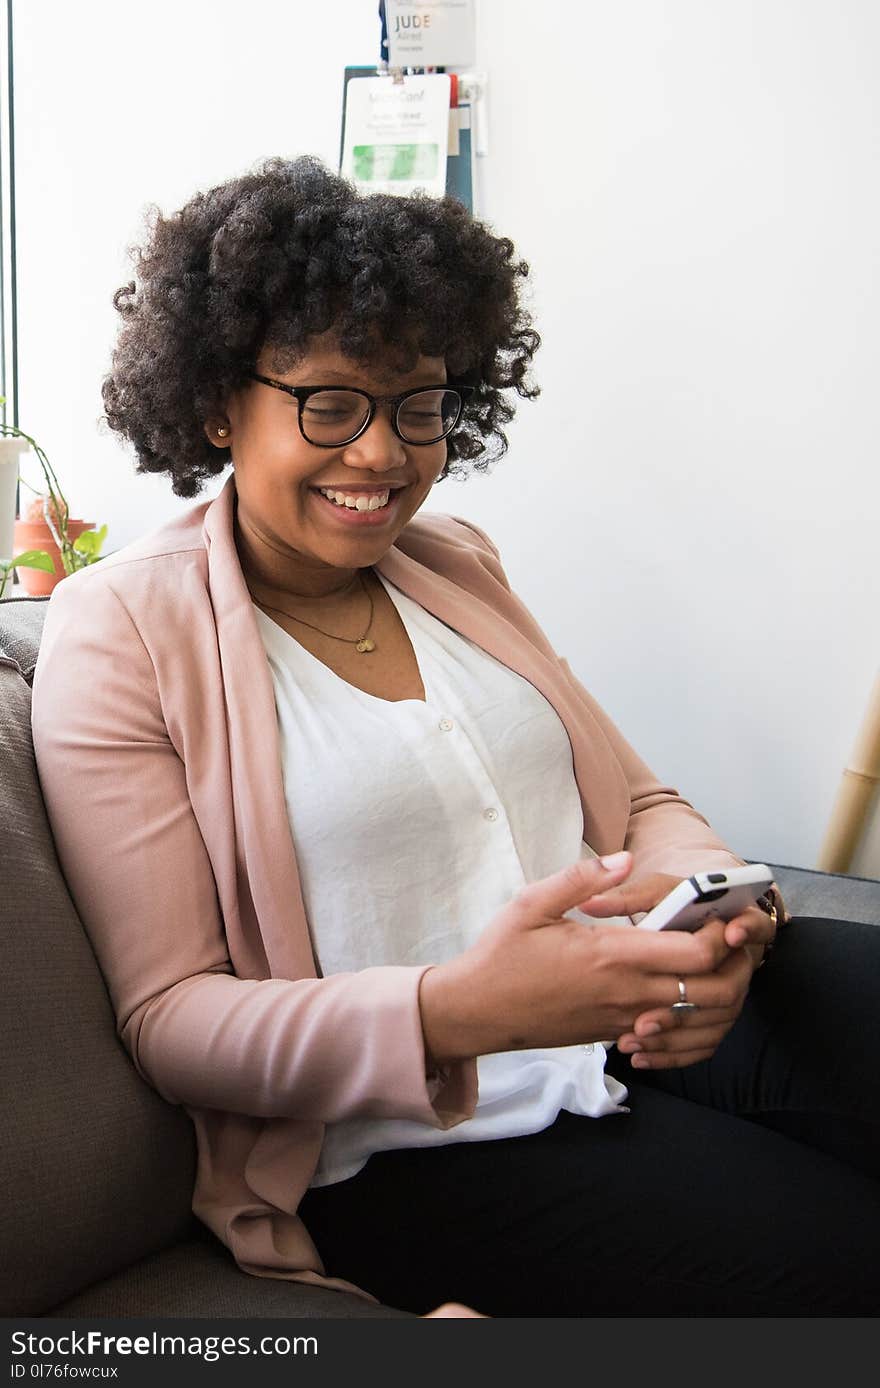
96	1169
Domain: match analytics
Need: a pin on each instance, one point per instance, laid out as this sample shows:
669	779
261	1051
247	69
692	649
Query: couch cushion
21	625
96	1171
199	1278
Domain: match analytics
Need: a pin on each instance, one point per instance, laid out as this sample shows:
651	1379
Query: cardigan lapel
478	607
267	870
467	613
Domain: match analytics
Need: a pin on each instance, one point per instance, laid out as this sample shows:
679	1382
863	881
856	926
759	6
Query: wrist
438	1052
447	1028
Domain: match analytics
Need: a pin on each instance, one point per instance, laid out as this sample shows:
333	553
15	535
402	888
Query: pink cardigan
157	748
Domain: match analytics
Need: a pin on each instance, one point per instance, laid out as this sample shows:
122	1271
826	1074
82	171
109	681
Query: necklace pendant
365	644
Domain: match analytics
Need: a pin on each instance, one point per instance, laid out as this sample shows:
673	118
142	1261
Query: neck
271	572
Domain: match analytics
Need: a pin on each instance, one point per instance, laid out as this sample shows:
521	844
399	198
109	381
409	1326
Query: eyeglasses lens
335	416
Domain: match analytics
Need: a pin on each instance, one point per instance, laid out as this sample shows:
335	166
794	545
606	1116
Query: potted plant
52	544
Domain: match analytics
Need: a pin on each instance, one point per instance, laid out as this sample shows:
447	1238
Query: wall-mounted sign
430	33
396	134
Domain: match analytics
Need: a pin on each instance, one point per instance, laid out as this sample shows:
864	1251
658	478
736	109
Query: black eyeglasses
330	416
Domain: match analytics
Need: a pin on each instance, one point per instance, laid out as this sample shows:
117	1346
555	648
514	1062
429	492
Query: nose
378	447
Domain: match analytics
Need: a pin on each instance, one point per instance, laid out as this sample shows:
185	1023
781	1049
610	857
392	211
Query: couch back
96	1170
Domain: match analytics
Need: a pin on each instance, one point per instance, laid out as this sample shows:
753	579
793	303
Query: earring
222	432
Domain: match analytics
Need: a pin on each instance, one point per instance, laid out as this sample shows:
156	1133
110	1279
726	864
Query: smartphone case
709	895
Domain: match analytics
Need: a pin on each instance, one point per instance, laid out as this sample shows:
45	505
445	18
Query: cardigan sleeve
140	875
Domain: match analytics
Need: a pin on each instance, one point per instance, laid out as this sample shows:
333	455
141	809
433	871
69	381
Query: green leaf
89	543
34	559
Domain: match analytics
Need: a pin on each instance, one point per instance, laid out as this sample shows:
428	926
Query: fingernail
640	1062
614	860
649	1029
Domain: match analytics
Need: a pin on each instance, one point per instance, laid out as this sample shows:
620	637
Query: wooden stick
859	783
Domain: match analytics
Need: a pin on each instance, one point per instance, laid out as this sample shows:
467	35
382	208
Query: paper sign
430	33
397	134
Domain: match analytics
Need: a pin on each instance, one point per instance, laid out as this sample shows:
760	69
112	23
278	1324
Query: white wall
691	507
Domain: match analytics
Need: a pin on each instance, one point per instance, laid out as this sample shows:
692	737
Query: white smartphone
725	893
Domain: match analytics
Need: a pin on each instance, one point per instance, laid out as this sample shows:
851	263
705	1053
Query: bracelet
767	904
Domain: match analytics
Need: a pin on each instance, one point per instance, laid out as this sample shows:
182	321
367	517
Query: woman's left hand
661	1038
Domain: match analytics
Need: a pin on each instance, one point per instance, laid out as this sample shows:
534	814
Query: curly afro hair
291	250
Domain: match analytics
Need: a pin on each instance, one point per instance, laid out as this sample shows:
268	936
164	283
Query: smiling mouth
358	500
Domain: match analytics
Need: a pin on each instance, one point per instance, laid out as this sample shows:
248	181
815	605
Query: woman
333	812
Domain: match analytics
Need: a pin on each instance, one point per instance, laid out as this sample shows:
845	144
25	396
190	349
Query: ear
218	432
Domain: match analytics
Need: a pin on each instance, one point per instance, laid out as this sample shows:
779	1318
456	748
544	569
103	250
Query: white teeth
357	503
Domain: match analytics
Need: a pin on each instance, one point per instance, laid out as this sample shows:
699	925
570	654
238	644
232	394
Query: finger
550	897
654	1034
666	956
670	1032
752	927
718	995
683	1044
628	899
663	1020
673	1060
722	996
723	987
688	1037
610	904
670	954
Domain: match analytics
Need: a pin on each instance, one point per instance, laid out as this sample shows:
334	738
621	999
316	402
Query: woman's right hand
535	978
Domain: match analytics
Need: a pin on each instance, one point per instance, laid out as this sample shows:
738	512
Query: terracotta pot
37	535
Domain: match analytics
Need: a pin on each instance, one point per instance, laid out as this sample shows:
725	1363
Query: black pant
747	1185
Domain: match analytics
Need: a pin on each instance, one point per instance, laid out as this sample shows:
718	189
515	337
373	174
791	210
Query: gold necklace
362	644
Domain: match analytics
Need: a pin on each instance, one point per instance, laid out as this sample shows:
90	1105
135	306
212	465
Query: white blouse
413	824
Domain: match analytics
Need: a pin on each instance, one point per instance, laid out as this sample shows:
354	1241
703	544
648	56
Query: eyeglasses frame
302	393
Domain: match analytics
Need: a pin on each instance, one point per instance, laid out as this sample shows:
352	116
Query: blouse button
490	814
446	724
